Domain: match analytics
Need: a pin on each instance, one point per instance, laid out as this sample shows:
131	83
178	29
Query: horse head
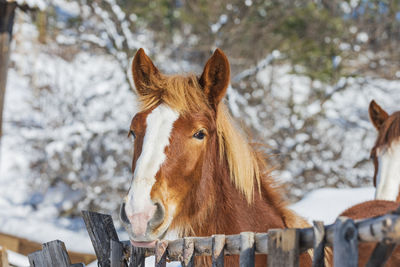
175	140
386	152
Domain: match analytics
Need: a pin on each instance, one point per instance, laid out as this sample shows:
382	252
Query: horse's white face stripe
159	126
388	176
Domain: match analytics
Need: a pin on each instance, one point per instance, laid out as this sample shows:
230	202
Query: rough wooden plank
383	228
175	249
345	243
379	229
55	254
36	259
319	244
25	247
161	253
247	249
375	229
117	258
283	247
137	257
101	231
380	254
218	245
261	242
188	252
7	13
3	257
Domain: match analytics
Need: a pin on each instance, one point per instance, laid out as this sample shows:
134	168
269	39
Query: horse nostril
122	214
158	216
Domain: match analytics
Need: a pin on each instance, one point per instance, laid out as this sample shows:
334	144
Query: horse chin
148	241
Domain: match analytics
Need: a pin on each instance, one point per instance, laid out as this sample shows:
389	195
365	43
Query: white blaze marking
159	126
388	176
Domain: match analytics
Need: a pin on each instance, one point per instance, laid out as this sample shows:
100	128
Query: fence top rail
384	228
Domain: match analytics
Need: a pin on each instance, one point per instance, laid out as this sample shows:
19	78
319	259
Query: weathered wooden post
7	12
3	257
117	258
36	259
381	254
319	244
345	243
53	253
101	231
218	245
247	249
138	256
161	254
188	252
283	247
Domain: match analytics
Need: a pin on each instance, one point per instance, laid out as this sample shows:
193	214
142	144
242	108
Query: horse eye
199	135
132	133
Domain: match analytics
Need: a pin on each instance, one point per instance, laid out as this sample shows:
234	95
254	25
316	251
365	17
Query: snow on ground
17	259
327	203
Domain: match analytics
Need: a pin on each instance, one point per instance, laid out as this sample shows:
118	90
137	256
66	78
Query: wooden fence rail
283	246
52	254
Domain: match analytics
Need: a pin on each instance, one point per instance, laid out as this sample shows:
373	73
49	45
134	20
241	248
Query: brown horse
386	153
386	157
194	172
370	209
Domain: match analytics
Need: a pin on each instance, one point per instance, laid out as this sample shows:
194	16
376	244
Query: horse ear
377	115
215	77
143	72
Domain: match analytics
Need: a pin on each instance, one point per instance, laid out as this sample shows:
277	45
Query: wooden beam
7	13
36	259
188	252
138	256
55	254
369	230
380	255
218	246
117	257
161	253
319	244
247	250
24	246
3	257
101	231
283	247
345	244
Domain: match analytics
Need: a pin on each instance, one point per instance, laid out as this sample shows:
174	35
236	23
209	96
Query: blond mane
184	94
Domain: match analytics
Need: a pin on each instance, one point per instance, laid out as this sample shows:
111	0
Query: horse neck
226	210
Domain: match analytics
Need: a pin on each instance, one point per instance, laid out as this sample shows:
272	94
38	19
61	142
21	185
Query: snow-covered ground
327	203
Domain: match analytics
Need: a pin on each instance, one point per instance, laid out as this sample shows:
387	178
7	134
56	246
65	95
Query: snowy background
68	102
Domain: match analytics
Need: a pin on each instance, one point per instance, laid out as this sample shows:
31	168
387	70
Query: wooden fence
283	246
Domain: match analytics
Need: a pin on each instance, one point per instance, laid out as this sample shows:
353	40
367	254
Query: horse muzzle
142	226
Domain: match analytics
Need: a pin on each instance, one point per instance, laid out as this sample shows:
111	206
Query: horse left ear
215	77
143	73
377	114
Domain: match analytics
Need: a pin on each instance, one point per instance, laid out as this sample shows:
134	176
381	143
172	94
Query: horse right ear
377	115
215	77
143	73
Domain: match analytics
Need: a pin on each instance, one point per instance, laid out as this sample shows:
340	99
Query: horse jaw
388	176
